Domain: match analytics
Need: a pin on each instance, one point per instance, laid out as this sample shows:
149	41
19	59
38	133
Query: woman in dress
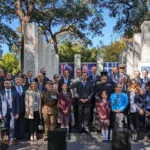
33	109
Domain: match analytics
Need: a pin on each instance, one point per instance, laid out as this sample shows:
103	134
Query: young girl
64	105
103	108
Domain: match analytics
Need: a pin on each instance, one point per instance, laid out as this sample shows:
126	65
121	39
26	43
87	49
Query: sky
108	37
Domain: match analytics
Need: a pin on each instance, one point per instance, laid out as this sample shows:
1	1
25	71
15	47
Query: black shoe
81	130
136	137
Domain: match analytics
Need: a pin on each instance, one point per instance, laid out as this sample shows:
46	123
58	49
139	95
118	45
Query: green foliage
9	63
111	52
67	51
130	14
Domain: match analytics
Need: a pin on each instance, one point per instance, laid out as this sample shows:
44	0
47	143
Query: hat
103	73
122	66
56	76
49	82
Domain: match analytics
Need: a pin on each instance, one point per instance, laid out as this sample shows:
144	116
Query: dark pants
75	109
9	122
84	113
33	123
20	126
134	122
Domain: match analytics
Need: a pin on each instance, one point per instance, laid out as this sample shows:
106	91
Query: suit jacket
144	84
85	92
61	82
90	78
139	81
112	79
44	80
64	102
29	103
21	98
43	86
1	83
15	103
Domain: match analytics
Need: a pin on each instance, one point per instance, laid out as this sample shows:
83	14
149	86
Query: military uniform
49	109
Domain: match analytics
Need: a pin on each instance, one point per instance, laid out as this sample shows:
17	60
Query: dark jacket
85	92
61	82
90	78
15	103
21	98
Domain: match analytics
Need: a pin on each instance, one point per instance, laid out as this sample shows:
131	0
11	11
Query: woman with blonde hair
136	102
33	109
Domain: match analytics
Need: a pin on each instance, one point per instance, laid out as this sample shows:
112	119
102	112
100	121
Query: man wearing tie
9	109
74	95
65	79
93	78
138	78
85	92
145	80
30	77
114	76
21	122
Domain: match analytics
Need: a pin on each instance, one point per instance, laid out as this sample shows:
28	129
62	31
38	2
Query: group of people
104	102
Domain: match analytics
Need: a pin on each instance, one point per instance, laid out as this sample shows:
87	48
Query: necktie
19	90
8	99
84	83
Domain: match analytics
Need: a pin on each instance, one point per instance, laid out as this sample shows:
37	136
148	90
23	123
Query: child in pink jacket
103	108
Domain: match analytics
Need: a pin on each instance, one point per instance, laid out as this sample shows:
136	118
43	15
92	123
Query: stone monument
145	47
77	63
30	50
100	62
137	50
129	59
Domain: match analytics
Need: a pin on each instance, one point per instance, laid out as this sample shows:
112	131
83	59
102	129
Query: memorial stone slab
100	62
77	63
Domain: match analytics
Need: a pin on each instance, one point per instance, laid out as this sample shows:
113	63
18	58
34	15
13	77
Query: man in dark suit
9	109
2	78
114	76
21	122
145	80
85	93
64	79
43	71
93	78
30	77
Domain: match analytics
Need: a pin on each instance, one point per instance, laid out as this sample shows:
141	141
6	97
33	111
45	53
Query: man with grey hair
30	76
137	77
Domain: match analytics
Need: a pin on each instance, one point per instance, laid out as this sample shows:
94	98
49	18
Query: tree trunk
22	54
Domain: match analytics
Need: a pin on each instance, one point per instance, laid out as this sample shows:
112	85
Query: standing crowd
103	102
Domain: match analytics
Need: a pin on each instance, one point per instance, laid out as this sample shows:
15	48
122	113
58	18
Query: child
103	108
64	105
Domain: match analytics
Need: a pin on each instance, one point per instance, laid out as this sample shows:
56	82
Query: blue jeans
9	123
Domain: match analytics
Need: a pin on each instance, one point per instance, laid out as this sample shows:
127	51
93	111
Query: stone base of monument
57	140
121	140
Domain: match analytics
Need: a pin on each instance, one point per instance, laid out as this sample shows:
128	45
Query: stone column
100	62
30	56
124	56
41	52
137	50
77	63
129	59
145	45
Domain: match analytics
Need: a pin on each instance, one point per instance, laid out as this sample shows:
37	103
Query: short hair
7	80
63	84
145	70
41	69
136	71
23	75
29	71
17	77
78	69
85	73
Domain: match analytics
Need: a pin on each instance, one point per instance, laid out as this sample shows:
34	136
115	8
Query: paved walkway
77	142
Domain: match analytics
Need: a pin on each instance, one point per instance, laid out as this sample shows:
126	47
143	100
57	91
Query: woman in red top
64	105
103	108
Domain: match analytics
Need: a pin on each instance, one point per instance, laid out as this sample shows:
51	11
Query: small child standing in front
103	108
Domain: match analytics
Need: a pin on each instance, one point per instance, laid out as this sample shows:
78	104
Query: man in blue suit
9	109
